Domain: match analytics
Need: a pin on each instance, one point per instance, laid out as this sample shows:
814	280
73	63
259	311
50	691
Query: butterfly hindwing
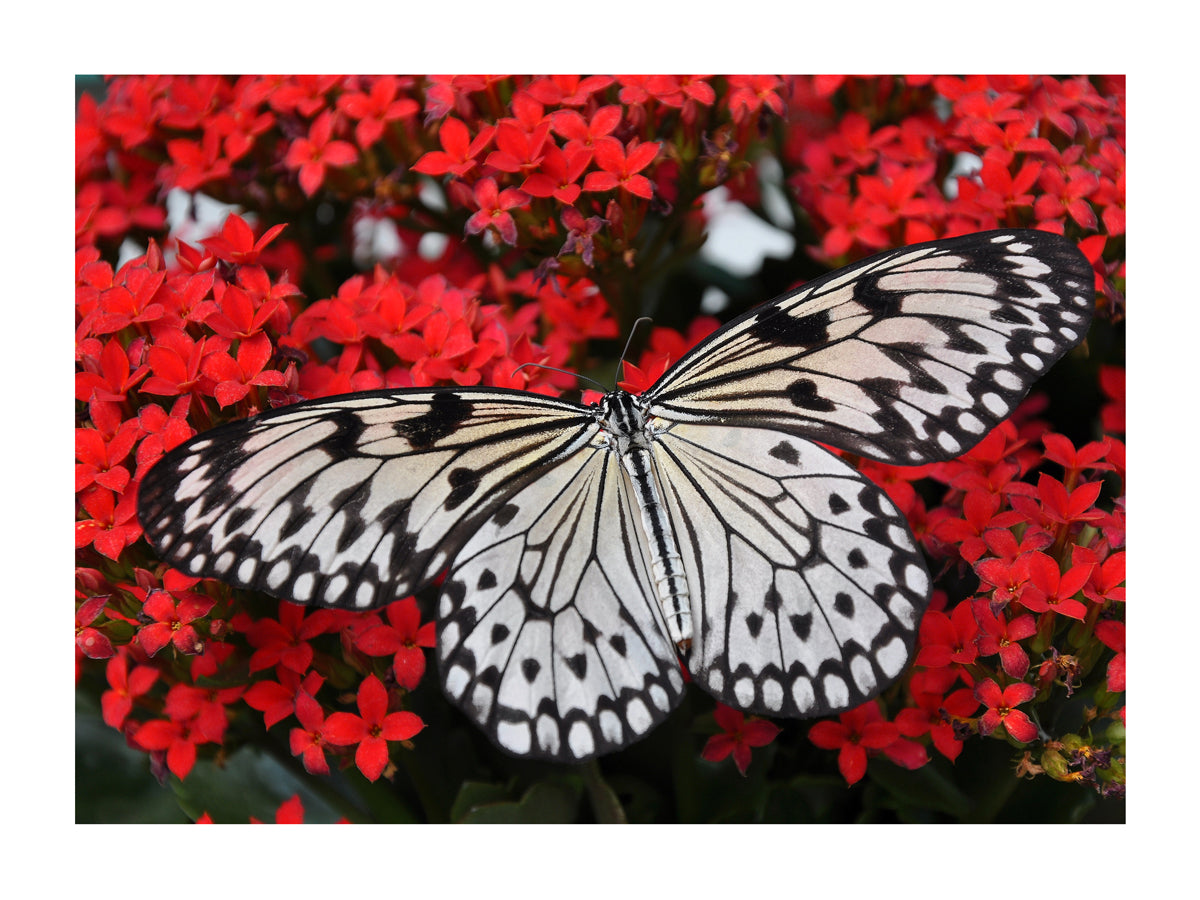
907	357
551	637
350	501
807	587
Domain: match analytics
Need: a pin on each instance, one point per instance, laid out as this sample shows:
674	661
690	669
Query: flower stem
604	801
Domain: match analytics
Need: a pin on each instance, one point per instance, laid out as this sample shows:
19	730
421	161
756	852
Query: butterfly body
586	550
630	435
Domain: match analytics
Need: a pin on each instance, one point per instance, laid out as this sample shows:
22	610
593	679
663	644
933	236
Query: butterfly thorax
622	416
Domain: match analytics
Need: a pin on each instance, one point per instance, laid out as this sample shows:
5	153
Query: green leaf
914	794
554	801
475	794
252	783
113	783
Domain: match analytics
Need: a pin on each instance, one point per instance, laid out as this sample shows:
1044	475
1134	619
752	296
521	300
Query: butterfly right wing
908	357
351	501
550	634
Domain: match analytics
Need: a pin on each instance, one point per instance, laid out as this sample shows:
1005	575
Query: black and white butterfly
588	548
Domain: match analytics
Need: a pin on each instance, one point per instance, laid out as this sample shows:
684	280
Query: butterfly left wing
549	633
908	357
806	586
351	501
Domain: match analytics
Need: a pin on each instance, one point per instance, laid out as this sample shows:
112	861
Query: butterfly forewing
351	501
908	357
551	636
809	587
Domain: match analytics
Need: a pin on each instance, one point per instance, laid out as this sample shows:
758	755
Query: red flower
1112	382
1111	634
946	639
90	641
162	431
404	637
855	732
100	456
446	348
1050	589
1066	192
494	206
172	609
936	716
235	241
175	360
372	729
1011	191
748	93
895	197
134	297
557	175
308	741
980	513
1107	580
675	90
851	221
177	739
620	166
739	735
125	687
567	90
999	635
457	156
195	163
518	150
290	812
107	374
1058	506
376	109
242	310
285	641
204	709
1059	449
583	134
1002	709
276	700
113	525
580	234
235	377
239	125
314	154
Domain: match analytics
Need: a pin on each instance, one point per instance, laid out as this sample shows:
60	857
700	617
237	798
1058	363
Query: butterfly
588	550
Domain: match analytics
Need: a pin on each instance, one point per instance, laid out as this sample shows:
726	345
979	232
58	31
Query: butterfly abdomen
624	421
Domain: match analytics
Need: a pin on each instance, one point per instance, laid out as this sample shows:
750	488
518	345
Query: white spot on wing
515	736
580	740
837	695
863	674
891	657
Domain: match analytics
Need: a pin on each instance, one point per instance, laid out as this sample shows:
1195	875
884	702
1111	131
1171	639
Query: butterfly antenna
629	340
598	385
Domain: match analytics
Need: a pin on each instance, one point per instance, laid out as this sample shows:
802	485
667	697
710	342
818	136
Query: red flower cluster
483	223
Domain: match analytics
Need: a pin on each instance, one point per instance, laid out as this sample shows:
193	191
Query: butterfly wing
549	635
351	501
908	357
551	638
806	586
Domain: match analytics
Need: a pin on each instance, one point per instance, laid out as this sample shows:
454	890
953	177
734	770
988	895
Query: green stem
604	801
